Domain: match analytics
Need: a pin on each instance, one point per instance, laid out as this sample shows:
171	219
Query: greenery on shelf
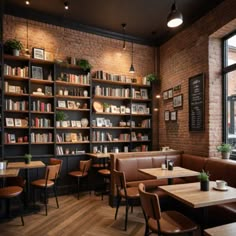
11	44
224	147
106	105
152	77
204	176
84	65
61	116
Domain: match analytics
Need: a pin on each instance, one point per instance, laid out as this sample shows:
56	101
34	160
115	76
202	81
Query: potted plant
204	180
13	46
60	117
28	158
84	65
106	107
225	149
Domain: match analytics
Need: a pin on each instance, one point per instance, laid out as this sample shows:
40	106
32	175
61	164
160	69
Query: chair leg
45	200
8	204
21	208
126	213
55	193
117	206
78	183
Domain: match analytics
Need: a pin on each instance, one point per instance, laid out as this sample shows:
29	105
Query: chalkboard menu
196	103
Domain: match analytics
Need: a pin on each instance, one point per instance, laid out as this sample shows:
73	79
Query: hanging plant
84	65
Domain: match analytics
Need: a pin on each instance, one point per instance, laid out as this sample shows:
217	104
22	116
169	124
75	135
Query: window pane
231	51
231	107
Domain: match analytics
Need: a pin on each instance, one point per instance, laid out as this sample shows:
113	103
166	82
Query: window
229	88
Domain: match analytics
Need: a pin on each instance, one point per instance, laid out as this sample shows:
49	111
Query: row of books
41	106
66	151
76	79
41	122
41	138
10	88
146	123
116	92
70	137
16	105
16	71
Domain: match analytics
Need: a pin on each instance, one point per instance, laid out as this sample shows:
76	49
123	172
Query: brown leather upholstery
128	193
11	192
51	175
168	222
84	167
104	172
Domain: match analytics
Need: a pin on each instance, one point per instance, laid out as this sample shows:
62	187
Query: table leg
27	195
170	181
204	223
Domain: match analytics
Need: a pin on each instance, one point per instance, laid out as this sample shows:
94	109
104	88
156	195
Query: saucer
221	189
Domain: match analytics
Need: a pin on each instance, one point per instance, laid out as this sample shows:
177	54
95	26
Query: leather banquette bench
217	168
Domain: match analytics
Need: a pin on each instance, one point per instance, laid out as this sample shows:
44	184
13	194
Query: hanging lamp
66	5
124	42
175	17
131	70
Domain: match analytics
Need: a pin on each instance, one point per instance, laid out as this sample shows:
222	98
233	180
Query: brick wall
196	50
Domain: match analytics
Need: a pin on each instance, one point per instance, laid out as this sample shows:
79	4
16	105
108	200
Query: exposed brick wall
189	53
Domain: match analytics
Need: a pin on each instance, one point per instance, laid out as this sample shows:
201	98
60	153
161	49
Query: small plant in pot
106	107
13	46
60	117
28	158
225	149
204	180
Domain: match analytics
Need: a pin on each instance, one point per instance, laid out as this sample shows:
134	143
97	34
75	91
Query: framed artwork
167	115
38	53
100	122
170	93
37	72
134	109
141	108
173	115
48	56
165	95
12	138
122	109
48	90
78	123
114	109
62	104
18	123
71	105
107	122
144	93
9	122
178	101
73	123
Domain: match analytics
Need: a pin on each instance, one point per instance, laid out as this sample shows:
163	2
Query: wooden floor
88	216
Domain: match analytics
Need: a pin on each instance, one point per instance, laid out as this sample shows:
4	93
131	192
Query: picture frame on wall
170	93
178	101
37	72
167	115
165	95
38	53
173	115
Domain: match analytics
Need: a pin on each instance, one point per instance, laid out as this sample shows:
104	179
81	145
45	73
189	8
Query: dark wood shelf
42	128
16	111
103	81
68	109
64	143
111	114
40	96
63	83
16	58
10	144
41	112
118	127
16	94
118	141
72	128
41	81
15	127
43	143
111	97
72	97
40	61
15	77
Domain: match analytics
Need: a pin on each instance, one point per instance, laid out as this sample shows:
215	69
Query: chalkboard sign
196	103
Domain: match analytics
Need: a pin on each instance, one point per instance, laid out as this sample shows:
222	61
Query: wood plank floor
88	216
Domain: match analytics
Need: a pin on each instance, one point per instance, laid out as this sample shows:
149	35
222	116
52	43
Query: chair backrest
55	161
150	203
84	166
119	180
52	172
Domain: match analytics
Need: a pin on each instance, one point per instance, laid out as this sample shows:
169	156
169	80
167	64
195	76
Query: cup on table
221	184
163	166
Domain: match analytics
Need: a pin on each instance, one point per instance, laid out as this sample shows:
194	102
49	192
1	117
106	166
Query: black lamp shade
175	18
131	70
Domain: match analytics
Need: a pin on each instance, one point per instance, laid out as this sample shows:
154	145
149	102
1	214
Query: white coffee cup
221	184
163	166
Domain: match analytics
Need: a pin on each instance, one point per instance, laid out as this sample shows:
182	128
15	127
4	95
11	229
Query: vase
16	52
204	185
84	122
225	155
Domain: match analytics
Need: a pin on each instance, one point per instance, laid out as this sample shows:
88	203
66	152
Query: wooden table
191	195
9	173
99	155
26	167
177	172
223	230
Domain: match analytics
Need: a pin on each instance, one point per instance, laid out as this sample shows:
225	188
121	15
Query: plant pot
27	160
204	185
15	52
225	155
58	123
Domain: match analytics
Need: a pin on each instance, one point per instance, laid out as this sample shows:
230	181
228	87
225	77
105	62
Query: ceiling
145	19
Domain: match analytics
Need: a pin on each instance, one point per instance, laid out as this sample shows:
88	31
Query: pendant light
124	42
27	2
131	70
66	5
175	18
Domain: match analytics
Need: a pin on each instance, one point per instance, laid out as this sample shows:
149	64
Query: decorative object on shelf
84	65
122	123
37	72
27	158
151	78
60	117
98	107
106	107
204	180
85	93
13	46
84	122
225	149
38	53
50	76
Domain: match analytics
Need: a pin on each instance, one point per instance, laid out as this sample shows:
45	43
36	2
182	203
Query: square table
222	230
9	173
177	172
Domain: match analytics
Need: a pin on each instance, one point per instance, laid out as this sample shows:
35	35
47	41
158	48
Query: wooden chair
84	167
49	181
128	193
162	223
11	192
55	161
